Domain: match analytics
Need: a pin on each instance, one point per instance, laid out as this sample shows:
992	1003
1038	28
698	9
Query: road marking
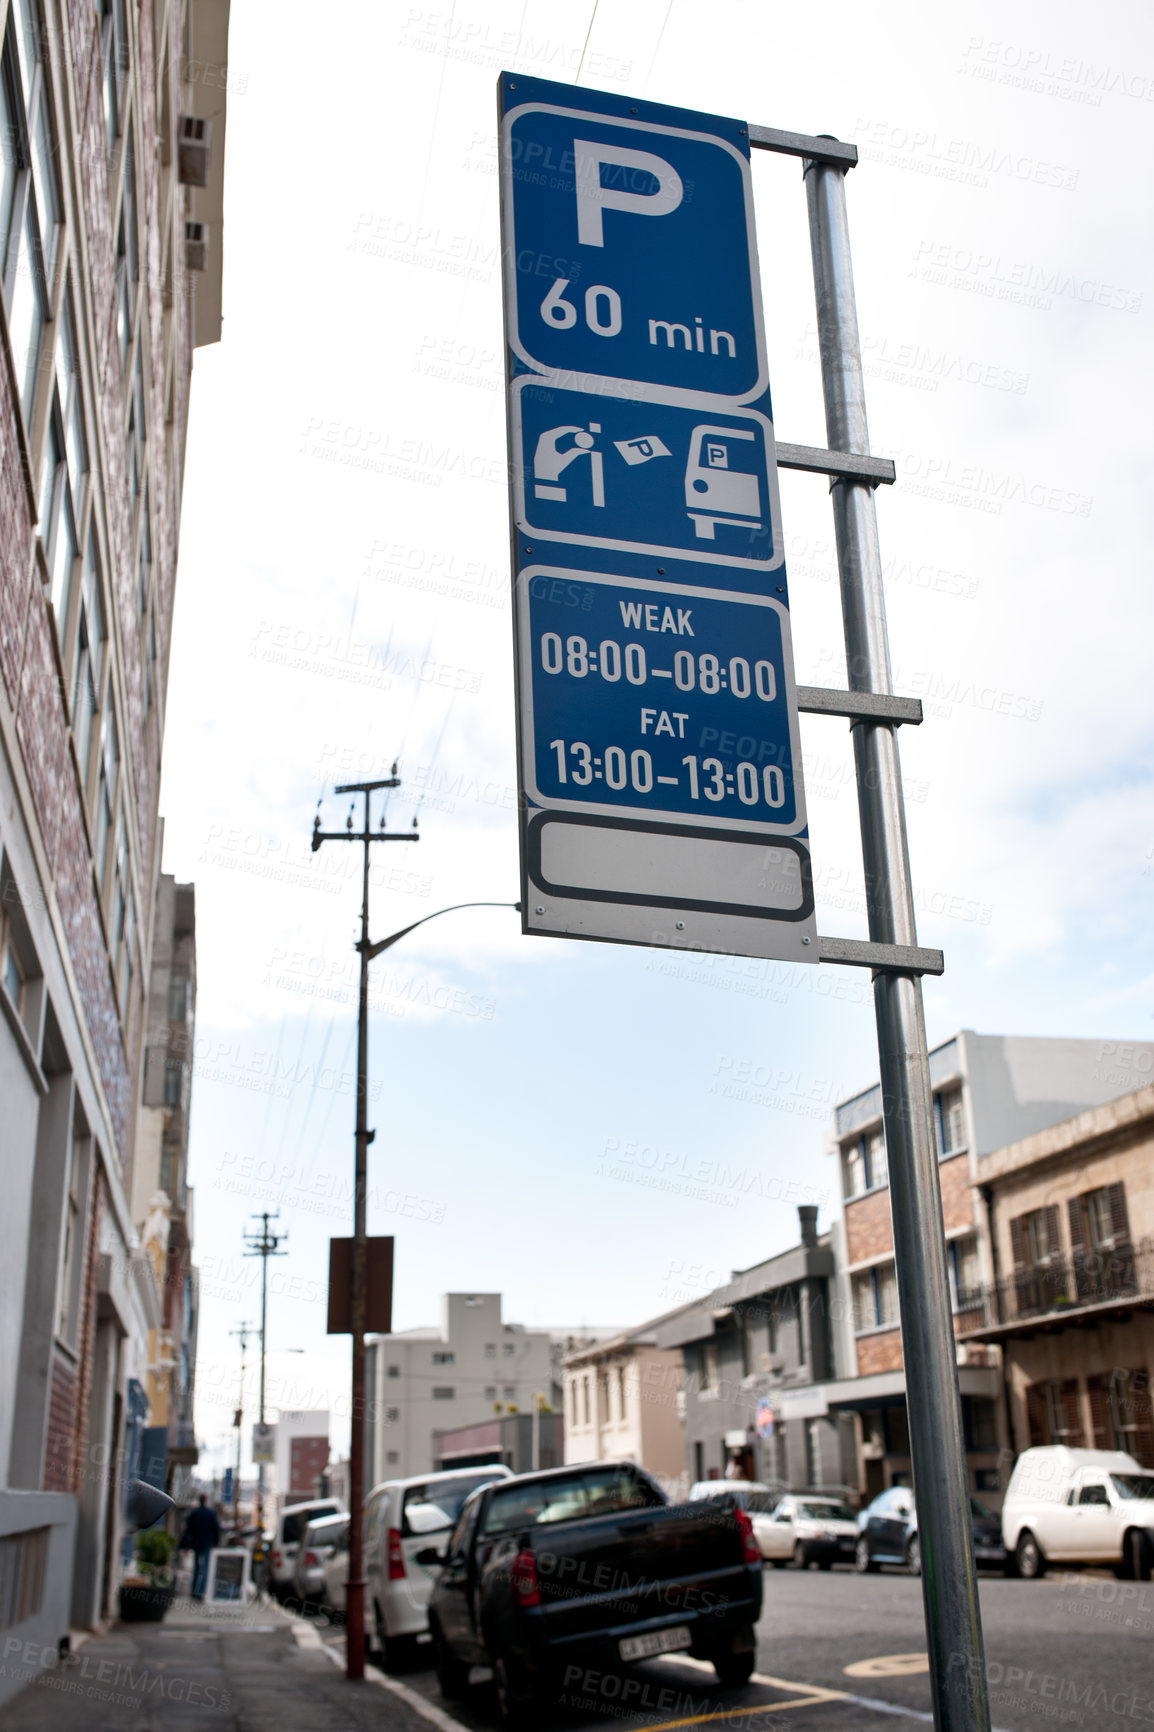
889	1666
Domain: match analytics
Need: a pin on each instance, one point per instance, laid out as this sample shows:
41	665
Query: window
962	1258
949	1121
23	1569
864	1165
711	1364
875	1298
392	1415
392	1456
1095	1493
1042	1242
29	195
509	1391
1041	1274
90	642
490	1392
65	469
443	1358
594	1492
508	1349
490	1350
13	973
123	922
114	53
392	1371
105	795
70	1251
173	1082
178	998
443	1394
170	1163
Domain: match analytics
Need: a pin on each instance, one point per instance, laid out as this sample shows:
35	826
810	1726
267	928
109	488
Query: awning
888	1389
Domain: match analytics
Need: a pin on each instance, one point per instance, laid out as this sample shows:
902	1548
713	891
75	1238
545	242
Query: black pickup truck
550	1574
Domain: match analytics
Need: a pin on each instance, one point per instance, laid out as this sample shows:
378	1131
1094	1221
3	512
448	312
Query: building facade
988	1091
162	1198
421	1381
754	1352
622	1403
112	140
1070	1221
522	1442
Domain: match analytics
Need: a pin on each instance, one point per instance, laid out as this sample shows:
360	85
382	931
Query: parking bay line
874	1704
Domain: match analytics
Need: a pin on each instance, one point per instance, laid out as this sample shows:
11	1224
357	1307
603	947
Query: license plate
655	1642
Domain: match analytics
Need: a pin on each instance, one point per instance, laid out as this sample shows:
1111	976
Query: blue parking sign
630	251
658	752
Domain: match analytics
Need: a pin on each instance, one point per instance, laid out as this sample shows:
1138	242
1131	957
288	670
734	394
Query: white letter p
593	198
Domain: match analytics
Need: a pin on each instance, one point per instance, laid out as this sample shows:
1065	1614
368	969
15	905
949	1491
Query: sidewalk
203	1669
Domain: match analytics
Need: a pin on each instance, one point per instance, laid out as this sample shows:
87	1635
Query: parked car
286	1539
335	1569
1084	1506
757	1499
888	1533
590	1566
805	1530
316	1546
402	1516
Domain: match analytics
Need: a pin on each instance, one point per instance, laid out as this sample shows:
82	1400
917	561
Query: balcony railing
1064	1284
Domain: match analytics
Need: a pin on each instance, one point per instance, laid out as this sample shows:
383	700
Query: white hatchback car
805	1530
402	1518
287	1536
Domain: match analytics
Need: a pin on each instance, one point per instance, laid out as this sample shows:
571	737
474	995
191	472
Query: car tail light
276	1560
750	1550
396	1556
312	1562
523	1576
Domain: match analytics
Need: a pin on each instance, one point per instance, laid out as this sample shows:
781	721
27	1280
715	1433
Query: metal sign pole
949	1577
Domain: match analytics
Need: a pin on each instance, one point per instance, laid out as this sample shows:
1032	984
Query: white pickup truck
1079	1506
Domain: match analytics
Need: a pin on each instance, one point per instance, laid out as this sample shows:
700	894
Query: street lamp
355	1587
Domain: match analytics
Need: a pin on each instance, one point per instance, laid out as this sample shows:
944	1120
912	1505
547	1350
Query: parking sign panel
630	252
653	477
659	761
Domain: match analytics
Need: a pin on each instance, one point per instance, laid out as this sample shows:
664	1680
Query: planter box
145	1602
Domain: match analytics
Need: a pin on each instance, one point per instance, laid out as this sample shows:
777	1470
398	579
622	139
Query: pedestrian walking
201	1534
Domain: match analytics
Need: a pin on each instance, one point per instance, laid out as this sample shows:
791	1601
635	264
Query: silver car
317	1544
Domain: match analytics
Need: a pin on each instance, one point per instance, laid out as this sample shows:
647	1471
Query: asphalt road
844	1653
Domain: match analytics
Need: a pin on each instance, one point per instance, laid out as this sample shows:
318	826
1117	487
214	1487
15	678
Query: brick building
1070	1220
988	1091
161	1195
112	141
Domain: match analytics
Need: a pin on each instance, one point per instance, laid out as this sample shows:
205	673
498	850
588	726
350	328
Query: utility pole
355	1589
263	1245
243	1330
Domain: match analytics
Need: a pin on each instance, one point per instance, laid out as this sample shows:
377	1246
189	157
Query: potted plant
146	1593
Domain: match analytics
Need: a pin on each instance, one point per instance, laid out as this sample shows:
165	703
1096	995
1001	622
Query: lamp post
355	1587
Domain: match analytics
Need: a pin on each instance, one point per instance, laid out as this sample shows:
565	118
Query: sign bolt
805	940
681	926
538	909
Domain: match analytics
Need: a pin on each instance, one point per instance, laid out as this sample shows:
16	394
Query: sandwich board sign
659	762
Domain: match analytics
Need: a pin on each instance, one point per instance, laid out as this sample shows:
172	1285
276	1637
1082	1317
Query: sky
601	1132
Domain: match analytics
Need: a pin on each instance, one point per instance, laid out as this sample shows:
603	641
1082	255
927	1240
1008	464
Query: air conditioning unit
196	245
193	150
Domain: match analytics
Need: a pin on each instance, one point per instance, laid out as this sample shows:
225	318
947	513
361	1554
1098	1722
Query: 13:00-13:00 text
690	672
712	779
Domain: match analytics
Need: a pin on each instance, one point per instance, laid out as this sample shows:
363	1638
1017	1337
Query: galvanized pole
949	1578
355	1589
